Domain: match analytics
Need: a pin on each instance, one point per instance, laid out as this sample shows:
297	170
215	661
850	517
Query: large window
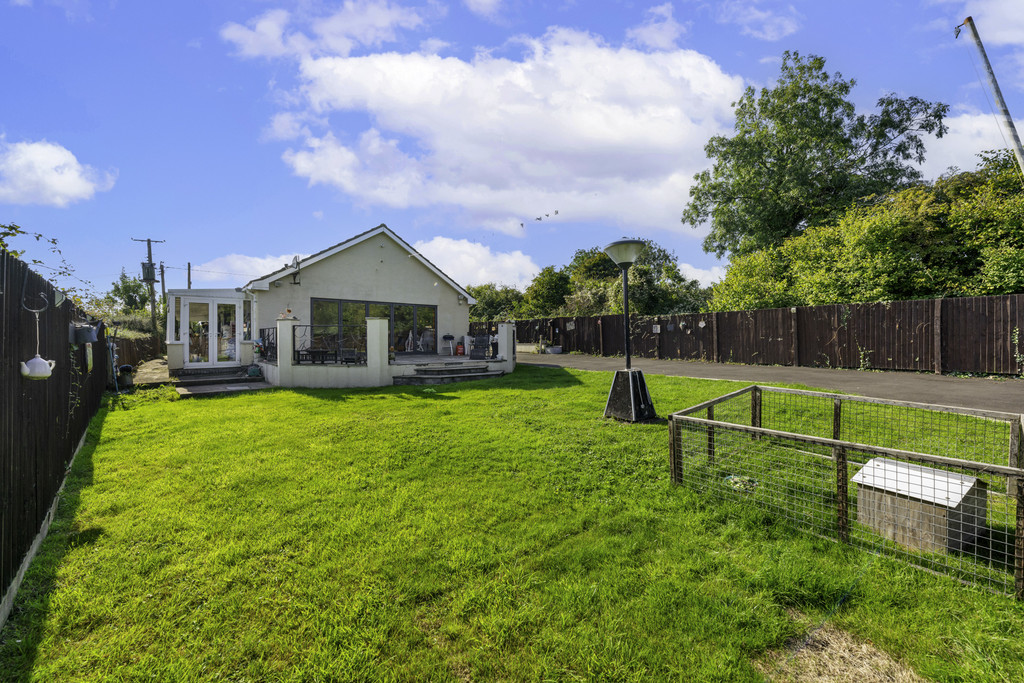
411	327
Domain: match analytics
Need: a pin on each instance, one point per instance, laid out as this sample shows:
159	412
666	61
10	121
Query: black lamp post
628	399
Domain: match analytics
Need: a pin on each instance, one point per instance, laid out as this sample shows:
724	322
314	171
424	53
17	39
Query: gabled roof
265	281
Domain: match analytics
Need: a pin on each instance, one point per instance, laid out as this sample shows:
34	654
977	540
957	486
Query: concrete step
236	377
452	369
254	384
419	380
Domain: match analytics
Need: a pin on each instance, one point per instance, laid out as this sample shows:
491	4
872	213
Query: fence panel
41	421
969	334
134	352
982	334
761	337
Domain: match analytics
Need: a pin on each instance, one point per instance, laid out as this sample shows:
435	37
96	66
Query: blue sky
243	132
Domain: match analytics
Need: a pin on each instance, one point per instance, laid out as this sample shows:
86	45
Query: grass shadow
26	626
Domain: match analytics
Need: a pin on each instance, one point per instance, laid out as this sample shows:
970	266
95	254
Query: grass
497	530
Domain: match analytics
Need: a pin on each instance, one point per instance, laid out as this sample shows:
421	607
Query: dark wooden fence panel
969	334
41	421
136	351
761	337
983	334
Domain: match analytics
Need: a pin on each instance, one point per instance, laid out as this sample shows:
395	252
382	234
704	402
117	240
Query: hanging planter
86	334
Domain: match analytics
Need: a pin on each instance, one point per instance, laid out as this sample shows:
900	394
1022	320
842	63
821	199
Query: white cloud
1000	24
660	31
969	133
357	23
485	8
596	131
432	46
706	276
363	23
46	173
472	263
756	21
263	36
240	268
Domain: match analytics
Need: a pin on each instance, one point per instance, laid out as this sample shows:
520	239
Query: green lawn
496	530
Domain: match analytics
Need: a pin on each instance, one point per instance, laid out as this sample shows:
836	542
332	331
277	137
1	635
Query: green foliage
129	294
126	307
962	236
592	285
801	155
494	302
589	265
546	294
757	280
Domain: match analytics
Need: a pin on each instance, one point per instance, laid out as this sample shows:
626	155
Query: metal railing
935	486
322	344
266	346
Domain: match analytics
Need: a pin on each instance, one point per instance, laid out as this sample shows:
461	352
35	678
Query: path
986	393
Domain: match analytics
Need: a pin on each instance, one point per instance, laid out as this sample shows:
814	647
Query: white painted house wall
377	269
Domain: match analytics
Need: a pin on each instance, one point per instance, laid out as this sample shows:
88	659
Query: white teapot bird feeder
38	367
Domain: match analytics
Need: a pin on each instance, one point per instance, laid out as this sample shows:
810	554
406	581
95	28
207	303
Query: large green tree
494	302
961	236
546	294
801	155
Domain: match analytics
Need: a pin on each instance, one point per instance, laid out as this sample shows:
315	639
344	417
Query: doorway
213	333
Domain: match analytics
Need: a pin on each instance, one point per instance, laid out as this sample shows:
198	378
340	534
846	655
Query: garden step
252	384
236	377
452	369
419	379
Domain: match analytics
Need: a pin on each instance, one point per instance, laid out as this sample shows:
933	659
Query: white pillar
377	350
285	344
506	341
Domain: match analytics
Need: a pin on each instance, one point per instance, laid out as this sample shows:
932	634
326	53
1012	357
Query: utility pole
149	277
163	288
1018	150
189	275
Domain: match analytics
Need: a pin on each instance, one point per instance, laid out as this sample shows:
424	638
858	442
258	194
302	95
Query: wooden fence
135	351
969	334
42	422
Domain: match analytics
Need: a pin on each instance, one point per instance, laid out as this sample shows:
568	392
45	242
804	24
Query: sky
495	136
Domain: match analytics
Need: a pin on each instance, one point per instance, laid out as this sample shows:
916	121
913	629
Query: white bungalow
361	313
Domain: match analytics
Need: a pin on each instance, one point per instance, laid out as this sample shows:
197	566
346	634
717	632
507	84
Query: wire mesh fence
938	487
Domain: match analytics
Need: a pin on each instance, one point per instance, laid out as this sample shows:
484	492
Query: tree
129	294
493	302
591	264
962	236
546	294
801	155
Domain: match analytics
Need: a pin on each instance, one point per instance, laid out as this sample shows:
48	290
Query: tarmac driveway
986	393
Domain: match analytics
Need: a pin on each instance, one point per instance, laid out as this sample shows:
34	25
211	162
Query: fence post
1013	457
937	336
714	337
755	411
673	452
793	330
842	485
711	437
1018	559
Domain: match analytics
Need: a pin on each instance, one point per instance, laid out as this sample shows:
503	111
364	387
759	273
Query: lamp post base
628	398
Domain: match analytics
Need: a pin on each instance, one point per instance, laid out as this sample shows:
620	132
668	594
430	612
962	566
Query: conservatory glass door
213	332
198	333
